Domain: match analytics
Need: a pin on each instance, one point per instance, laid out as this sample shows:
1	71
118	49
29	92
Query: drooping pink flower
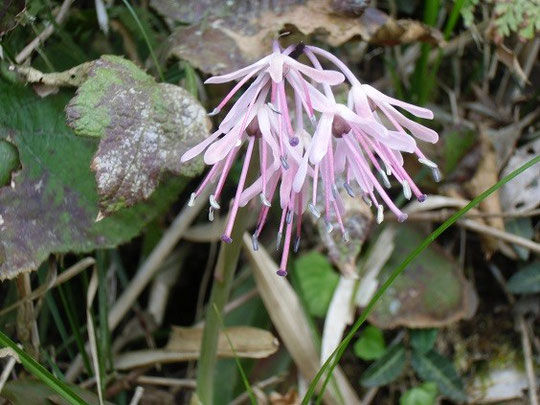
262	116
302	164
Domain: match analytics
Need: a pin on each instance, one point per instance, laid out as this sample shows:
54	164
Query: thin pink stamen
234	210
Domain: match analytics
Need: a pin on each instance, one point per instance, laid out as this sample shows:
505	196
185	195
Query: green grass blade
333	360
146	39
41	372
75	328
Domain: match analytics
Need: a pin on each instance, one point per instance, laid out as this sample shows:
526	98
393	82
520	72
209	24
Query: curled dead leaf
234	34
185	343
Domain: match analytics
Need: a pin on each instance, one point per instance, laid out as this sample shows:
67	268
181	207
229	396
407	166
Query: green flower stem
227	261
334	358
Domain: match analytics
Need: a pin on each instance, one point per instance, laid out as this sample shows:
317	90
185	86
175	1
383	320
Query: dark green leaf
317	281
521	227
432	291
422	340
432	366
526	280
370	345
9	161
386	369
425	394
144	128
52	207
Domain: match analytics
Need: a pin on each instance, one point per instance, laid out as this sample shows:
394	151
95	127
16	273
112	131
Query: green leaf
35	392
432	366
52	207
522	227
144	128
386	369
317	281
422	340
425	394
431	292
370	345
526	280
9	161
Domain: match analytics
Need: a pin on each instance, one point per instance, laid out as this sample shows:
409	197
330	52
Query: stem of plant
227	261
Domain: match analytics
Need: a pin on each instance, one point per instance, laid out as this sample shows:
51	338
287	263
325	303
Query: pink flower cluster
340	141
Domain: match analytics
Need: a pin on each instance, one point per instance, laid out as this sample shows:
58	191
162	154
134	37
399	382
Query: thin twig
62	278
6	371
167	382
505	236
240	399
46	33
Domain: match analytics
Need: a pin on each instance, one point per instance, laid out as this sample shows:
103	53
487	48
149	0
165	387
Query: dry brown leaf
226	41
340	314
485	176
357	220
184	345
290	398
285	310
508	57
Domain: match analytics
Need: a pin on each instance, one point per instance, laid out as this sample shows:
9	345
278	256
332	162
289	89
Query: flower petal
330	77
378	97
197	149
238	73
321	138
418	130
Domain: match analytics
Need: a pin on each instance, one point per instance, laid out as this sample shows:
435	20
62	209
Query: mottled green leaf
425	394
317	281
370	345
9	161
53	203
144	127
431	292
431	366
24	392
386	369
526	280
422	340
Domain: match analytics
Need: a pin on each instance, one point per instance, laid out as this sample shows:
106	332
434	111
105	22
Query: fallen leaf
10	11
51	205
510	60
240	32
185	343
340	314
246	340
290	398
522	193
485	176
144	127
431	292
